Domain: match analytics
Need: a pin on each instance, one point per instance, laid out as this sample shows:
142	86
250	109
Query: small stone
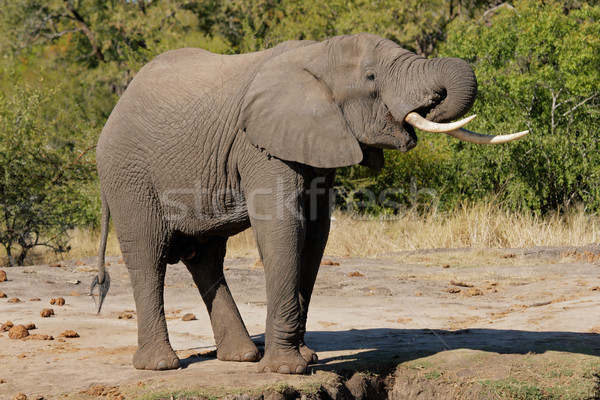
14	300
39	336
125	315
2	381
30	326
188	317
3	277
6	326
3	295
329	262
446	266
46	312
473	292
20	396
18	332
56	265
69	334
35	299
59	301
354	274
452	290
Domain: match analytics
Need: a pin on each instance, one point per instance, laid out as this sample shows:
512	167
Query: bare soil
518	323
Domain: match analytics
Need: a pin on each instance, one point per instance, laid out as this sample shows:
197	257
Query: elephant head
341	101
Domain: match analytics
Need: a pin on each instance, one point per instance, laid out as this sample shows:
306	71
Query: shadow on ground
372	348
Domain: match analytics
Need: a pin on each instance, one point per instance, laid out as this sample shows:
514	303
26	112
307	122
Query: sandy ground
365	313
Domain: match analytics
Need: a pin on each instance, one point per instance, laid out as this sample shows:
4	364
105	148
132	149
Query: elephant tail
102	280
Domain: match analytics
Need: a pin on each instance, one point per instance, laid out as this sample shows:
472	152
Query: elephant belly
203	213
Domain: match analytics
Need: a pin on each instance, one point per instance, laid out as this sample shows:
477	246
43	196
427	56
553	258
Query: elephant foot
283	363
309	355
237	350
155	357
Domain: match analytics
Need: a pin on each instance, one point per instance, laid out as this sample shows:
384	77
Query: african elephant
202	146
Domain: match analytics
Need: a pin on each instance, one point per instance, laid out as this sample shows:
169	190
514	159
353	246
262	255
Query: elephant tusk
478	138
456	130
434	127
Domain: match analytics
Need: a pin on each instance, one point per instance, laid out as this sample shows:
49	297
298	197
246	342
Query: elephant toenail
300	369
249	356
162	365
284	369
175	363
236	358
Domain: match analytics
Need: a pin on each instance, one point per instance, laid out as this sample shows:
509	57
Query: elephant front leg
280	241
231	336
318	220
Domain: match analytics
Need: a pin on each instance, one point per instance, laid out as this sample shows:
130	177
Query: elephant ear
289	111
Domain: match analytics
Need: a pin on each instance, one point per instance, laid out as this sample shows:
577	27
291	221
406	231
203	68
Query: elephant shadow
383	348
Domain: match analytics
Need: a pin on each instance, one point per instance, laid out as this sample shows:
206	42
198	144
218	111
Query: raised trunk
456	78
440	89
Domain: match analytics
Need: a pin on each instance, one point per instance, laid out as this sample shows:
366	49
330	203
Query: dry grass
475	226
480	226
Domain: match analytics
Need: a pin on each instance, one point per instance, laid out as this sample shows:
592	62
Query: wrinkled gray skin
202	146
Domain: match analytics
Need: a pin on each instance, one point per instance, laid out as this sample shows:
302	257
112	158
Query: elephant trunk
455	82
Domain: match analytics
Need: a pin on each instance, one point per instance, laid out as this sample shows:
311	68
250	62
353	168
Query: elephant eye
371	77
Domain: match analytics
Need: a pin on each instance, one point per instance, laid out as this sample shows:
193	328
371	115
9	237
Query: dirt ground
515	323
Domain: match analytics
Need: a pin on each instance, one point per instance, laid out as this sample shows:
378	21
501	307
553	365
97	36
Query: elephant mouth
403	134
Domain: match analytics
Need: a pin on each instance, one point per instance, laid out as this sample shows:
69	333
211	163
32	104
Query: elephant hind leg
231	336
143	241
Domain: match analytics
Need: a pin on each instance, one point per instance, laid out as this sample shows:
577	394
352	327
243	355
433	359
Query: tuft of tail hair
102	280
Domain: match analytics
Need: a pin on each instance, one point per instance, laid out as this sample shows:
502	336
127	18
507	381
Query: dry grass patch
481	227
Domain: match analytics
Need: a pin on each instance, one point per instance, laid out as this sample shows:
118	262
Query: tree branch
580	104
86	30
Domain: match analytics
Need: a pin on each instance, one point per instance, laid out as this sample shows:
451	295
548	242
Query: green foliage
65	63
538	66
41	176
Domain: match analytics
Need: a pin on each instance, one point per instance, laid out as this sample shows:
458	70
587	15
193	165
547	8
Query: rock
125	315
46	312
6	326
3	295
69	334
17	332
354	274
30	326
20	396
2	381
14	300
59	301
473	292
446	266
39	336
56	265
35	299
329	262
3	277
188	317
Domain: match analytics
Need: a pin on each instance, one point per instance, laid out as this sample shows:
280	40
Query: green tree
538	66
41	175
